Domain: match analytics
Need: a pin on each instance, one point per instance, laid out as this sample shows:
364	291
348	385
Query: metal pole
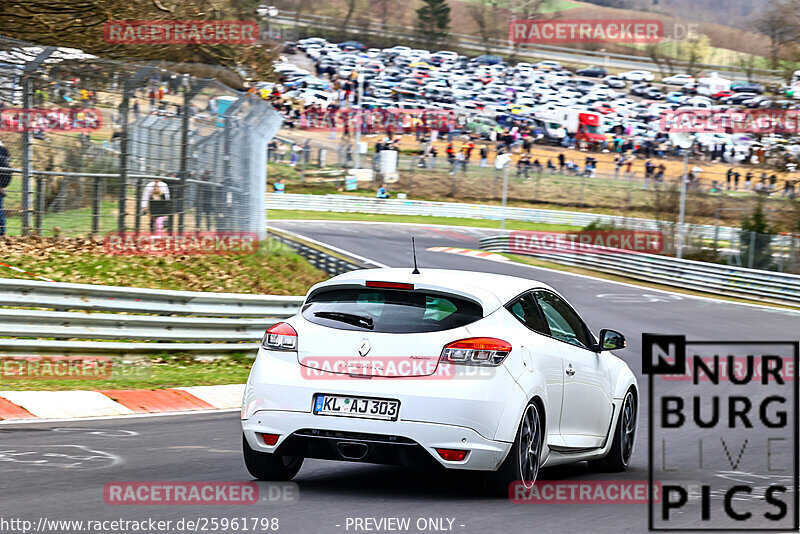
40	198
96	195
357	158
682	214
505	196
27	158
190	91
128	87
716	229
187	98
123	160
27	147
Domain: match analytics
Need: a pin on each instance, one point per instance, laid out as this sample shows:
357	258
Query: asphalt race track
58	470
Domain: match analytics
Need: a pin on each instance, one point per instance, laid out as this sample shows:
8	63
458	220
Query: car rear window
390	310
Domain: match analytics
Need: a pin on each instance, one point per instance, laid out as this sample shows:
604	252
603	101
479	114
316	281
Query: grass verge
412	219
274	269
155	372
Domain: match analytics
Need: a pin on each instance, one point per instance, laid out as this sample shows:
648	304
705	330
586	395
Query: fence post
40	206
190	91
306	153
411	171
27	147
127	88
583	187
96	195
630	190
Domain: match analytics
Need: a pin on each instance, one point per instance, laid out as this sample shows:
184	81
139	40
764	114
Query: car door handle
570	370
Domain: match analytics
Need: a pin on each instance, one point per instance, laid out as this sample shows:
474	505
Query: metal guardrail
87	297
171	321
320	257
355	204
500	46
740	282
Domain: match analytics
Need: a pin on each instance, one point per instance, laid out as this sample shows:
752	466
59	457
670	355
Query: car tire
267	466
524	459
619	456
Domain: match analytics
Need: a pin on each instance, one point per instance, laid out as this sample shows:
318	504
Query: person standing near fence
155	190
5	179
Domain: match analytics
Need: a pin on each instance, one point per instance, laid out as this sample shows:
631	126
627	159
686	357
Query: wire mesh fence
92	146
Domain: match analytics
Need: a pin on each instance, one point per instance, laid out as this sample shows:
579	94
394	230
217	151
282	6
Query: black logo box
663	366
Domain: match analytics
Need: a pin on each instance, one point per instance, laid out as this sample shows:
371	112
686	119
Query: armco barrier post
27	147
129	85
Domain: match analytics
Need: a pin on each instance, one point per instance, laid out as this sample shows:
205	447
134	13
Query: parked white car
637	76
678	79
469	370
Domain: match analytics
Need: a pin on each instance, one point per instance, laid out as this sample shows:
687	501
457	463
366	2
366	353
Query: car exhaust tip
352	450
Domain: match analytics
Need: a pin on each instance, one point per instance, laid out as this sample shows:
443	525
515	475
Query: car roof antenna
414	252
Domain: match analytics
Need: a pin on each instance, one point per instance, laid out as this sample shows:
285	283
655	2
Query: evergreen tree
755	239
433	20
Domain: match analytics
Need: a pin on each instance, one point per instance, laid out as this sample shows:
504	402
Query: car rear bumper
385	442
464	413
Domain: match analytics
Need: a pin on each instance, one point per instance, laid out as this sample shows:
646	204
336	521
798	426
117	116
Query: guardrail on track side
318	256
725	280
186	321
393	206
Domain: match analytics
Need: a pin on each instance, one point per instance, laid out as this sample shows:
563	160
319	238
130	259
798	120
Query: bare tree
529	9
665	64
484	14
351	7
384	10
80	23
695	51
780	23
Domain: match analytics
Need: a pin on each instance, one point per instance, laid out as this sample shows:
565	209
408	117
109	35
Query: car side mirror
611	340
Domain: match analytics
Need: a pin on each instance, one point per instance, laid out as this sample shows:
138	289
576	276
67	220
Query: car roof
491	290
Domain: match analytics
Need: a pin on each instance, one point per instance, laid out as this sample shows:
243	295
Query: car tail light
390	285
452	455
270	439
487	351
280	337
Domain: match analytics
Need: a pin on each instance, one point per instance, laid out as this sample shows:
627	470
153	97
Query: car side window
527	312
565	325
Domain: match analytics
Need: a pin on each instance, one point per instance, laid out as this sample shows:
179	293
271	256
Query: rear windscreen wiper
349	318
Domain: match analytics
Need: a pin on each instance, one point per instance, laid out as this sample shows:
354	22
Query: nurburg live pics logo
723	444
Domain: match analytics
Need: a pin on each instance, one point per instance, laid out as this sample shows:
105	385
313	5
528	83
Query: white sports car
469	370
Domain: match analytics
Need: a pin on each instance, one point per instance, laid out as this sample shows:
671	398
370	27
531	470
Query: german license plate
364	407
